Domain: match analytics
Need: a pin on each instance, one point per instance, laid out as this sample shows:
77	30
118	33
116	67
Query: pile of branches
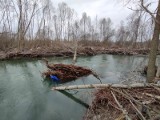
66	73
122	51
125	104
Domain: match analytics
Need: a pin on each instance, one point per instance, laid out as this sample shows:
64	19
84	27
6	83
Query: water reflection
48	82
72	97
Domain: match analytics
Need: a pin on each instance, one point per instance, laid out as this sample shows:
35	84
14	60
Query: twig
148	11
155	87
142	117
121	107
129	97
151	95
96	76
126	95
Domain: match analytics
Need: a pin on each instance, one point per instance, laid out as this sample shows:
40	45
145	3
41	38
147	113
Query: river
25	95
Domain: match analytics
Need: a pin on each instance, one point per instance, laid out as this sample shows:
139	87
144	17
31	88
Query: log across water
100	86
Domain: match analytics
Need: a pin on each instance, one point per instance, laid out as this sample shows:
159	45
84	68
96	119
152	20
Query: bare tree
84	22
56	27
62	9
144	5
23	20
122	34
70	15
106	29
134	23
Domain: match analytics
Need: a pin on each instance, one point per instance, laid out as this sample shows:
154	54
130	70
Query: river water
25	95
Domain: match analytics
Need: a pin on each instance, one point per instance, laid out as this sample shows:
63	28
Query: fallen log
136	85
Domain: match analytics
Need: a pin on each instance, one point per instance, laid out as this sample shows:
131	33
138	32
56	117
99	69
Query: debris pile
66	73
125	103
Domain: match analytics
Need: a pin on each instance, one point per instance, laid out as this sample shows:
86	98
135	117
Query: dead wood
131	101
121	107
89	86
66	72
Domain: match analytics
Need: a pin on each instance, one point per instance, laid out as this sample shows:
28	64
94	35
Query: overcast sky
101	8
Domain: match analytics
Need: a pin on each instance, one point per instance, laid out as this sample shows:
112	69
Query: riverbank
68	52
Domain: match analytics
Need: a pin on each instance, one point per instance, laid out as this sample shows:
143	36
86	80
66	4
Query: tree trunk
154	48
20	25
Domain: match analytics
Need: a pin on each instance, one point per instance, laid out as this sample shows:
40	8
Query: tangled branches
131	104
67	73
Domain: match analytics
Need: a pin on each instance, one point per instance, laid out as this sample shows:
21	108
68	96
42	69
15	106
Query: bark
154	48
136	85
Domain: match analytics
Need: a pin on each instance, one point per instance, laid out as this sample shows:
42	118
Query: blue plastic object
54	78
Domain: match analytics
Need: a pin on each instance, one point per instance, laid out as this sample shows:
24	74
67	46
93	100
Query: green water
25	95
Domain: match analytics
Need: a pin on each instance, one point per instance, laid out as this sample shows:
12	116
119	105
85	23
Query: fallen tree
136	85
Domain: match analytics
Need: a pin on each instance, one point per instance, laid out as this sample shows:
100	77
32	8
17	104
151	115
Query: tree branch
121	107
148	11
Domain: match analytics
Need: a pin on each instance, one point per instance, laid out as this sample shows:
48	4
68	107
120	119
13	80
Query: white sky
102	8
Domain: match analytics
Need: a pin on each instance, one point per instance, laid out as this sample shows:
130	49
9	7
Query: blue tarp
54	78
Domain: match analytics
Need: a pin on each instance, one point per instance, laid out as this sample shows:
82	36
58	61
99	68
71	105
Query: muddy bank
86	51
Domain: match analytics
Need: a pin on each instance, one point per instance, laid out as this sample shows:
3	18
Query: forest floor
40	52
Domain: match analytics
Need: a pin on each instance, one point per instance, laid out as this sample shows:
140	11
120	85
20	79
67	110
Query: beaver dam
121	102
64	73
